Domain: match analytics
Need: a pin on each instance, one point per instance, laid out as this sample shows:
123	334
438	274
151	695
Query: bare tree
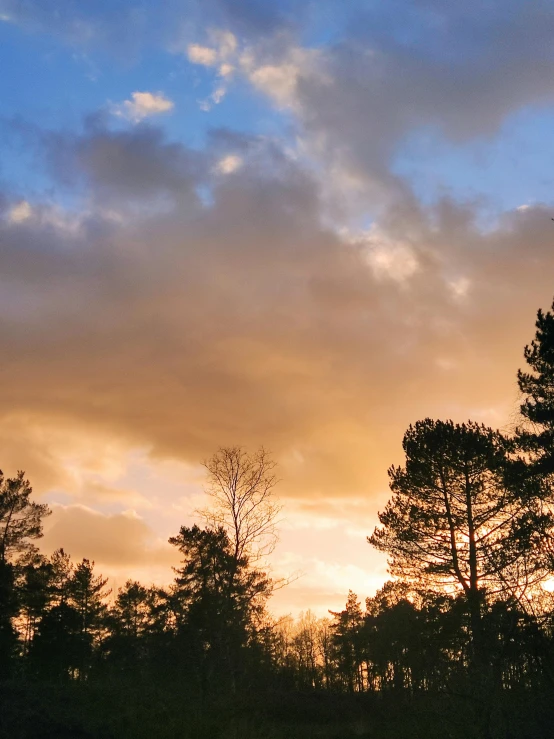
241	488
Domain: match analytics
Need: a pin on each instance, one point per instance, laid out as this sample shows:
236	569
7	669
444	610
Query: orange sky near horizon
253	228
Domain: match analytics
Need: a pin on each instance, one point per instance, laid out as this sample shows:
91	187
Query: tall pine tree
536	438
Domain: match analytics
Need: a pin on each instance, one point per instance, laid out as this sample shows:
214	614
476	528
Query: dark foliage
460	644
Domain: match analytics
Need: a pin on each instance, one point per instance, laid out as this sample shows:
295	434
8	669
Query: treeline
461	641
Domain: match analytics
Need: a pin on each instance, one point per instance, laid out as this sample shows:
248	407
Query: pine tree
346	629
86	596
20	518
453	523
219	599
536	439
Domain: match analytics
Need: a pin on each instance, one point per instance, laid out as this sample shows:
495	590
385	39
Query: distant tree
34	594
61	573
307	647
241	488
56	648
20	518
87	595
346	638
452	522
133	609
133	620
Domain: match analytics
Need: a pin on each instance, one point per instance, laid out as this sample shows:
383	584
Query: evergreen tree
20	523
56	648
346	640
20	518
220	600
536	438
134	623
453	523
86	596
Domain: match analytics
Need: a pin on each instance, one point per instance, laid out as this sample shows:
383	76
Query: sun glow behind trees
469	532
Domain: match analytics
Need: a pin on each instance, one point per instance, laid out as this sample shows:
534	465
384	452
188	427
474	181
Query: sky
299	225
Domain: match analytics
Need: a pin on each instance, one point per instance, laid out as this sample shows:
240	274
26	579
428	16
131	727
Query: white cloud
142	105
214	99
224	47
20	212
226	43
229	164
396	262
388	258
277	81
218	94
202	55
225	70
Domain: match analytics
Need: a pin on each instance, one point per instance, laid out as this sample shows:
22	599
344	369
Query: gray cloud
248	321
183	308
456	71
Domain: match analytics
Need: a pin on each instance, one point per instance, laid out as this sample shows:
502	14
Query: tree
536	439
133	609
20	518
452	522
86	596
57	645
221	599
346	629
241	488
87	593
34	594
20	521
133	621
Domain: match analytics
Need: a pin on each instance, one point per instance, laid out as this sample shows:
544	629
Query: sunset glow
301	226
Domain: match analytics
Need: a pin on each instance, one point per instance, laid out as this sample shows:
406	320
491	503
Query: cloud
203	55
20	212
223	49
179	310
143	105
229	164
247	321
121	540
393	72
124	165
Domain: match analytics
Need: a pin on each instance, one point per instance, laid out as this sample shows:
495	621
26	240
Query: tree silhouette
20	518
221	598
346	629
241	488
537	388
452	522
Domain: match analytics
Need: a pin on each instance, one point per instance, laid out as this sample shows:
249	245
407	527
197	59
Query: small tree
241	488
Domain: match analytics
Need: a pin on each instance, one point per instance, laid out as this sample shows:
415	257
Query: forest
459	643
